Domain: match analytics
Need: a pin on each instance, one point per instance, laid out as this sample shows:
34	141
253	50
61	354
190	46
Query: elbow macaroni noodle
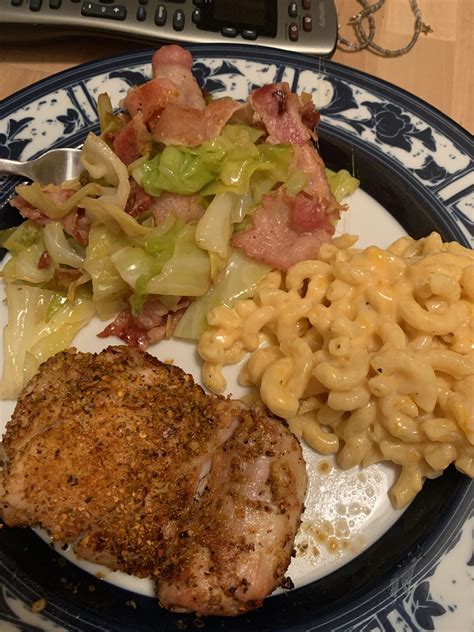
366	353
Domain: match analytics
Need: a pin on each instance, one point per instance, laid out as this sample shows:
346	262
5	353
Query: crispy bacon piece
279	110
151	97
172	105
124	326
309	114
58	195
185	207
44	261
77	224
130	142
307	214
63	278
308	161
171	55
286	230
154	323
182	125
28	211
175	64
138	200
173	82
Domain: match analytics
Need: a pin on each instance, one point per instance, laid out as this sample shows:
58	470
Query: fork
53	167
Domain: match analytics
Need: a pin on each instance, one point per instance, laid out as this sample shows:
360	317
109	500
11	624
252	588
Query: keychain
366	40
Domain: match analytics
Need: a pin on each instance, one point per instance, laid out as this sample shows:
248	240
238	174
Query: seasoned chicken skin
130	462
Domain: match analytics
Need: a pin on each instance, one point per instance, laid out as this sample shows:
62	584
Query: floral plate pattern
419	165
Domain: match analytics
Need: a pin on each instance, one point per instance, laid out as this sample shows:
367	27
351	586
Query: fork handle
15	168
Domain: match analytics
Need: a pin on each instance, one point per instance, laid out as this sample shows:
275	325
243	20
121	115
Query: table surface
438	69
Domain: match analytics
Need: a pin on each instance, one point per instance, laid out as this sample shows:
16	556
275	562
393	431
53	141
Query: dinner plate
405	570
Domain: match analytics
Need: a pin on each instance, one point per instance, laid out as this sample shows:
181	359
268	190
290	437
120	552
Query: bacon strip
172	106
154	323
28	211
279	110
308	161
151	97
75	223
131	140
286	230
138	200
182	125
175	64
186	207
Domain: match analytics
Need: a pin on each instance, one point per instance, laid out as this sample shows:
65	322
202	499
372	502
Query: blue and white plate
400	571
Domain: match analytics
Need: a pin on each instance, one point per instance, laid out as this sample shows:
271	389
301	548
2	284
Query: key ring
365	40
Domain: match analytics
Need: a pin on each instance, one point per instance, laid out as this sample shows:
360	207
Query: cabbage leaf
23	266
239	281
22	236
225	163
341	183
187	272
39	325
59	247
109	289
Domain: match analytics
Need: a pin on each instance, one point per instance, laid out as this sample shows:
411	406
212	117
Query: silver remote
305	26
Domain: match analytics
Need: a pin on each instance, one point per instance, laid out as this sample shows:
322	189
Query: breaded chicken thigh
129	461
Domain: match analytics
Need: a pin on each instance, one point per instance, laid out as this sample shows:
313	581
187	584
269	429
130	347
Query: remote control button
249	34
306	5
293	10
141	13
160	15
55	4
202	3
293	32
143	1
17	3
196	15
106	1
93	10
35	5
229	31
178	20
307	23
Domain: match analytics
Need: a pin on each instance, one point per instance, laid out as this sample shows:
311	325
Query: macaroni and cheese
367	353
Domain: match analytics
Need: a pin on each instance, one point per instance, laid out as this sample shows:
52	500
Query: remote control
306	26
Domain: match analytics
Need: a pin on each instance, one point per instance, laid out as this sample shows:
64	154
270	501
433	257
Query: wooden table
438	69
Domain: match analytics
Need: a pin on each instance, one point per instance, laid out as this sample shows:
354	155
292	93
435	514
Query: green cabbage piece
187	272
268	164
139	263
239	281
109	289
214	229
19	237
225	163
180	170
110	123
341	183
40	324
60	248
23	266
